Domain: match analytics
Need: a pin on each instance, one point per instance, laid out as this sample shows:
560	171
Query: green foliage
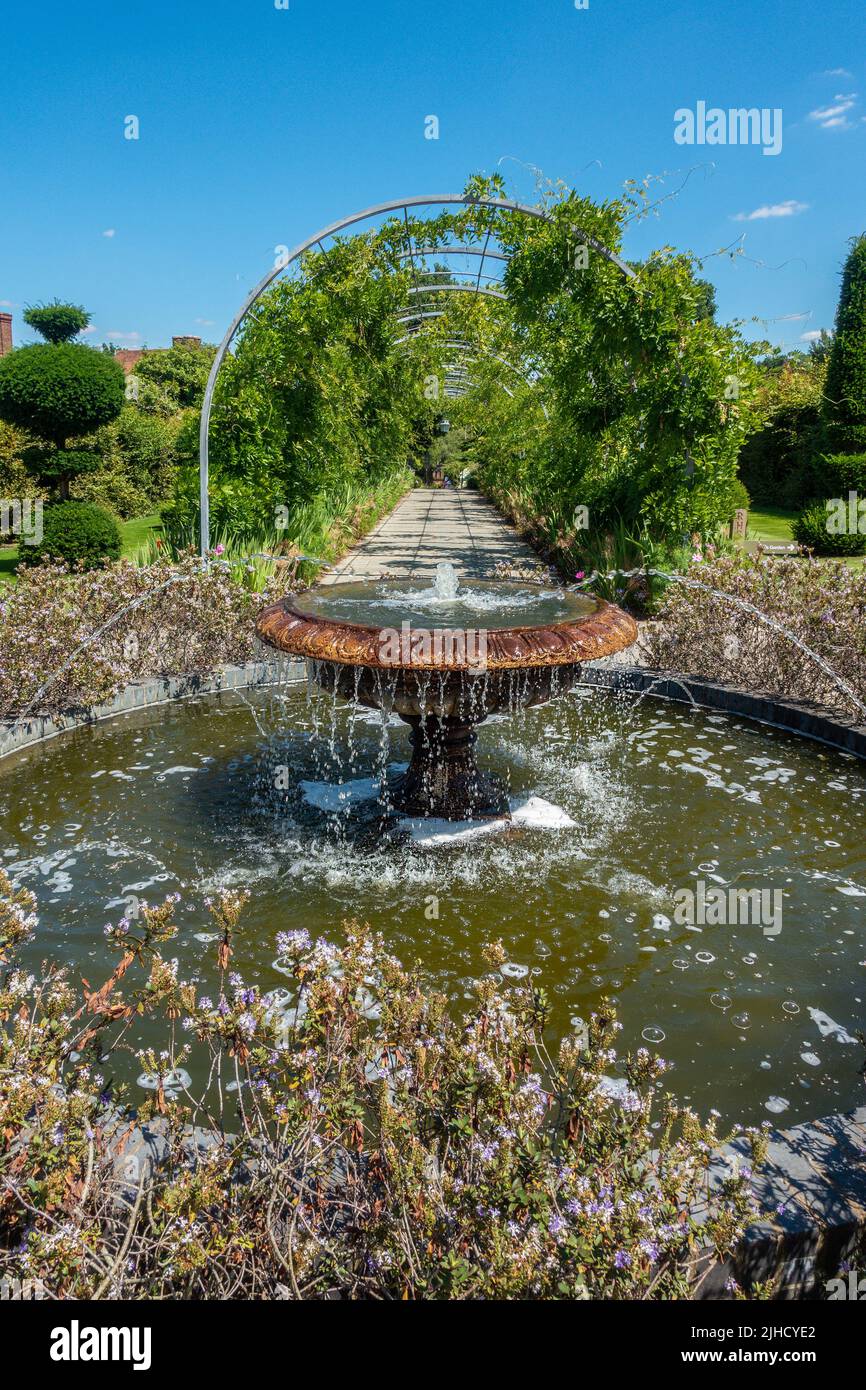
78	533
57	322
648	398
839	474
138	454
846	373
323	528
739	497
62	465
315	400
811	529
59	392
16	480
780	462
174	378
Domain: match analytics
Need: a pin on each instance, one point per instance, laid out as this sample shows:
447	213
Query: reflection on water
620	806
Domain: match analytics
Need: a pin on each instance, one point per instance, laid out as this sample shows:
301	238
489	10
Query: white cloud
109	231
123	337
813	336
205	323
789	208
6	304
838	72
835	117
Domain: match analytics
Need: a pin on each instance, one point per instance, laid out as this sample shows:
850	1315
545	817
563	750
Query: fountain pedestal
446	684
443	779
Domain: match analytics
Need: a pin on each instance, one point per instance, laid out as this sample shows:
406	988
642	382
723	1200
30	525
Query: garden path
429	525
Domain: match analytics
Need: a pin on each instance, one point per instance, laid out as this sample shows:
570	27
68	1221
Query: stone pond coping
797	717
812	1189
16	734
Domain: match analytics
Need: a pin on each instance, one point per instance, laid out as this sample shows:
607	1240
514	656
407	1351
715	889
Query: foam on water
283	802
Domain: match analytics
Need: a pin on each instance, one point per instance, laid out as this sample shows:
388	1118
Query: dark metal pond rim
808	720
18	734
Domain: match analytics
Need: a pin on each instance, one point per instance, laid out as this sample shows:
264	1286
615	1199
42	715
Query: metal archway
333	229
474	352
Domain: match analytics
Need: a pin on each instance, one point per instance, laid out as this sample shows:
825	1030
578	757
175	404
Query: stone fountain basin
464	657
443	663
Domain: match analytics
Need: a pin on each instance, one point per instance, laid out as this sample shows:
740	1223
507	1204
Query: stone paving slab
429	525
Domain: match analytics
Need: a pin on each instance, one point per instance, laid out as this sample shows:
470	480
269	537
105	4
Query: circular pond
707	874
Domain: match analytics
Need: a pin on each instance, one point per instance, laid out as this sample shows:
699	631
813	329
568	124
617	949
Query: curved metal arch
469	350
283	262
453	251
458	289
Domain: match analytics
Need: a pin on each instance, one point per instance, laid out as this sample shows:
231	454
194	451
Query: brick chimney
186	341
5	334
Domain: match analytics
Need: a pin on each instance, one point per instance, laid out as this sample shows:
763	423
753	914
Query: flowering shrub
354	1139
821	604
178	619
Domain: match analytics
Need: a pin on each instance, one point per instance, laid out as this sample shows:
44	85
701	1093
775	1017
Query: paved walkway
433	524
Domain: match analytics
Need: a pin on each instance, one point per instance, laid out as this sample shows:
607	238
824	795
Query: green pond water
620	805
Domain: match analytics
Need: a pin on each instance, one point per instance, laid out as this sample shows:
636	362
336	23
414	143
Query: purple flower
622	1259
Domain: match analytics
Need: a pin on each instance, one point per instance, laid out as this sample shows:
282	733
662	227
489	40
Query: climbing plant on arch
328	382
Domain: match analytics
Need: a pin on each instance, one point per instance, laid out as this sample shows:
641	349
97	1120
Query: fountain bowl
443	661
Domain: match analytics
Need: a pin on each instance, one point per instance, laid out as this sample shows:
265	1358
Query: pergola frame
333	229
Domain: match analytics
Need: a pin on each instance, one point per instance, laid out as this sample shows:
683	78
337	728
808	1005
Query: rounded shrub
80	533
811	529
60	391
739	496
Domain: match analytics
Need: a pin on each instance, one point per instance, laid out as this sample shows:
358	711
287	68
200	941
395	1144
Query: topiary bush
60	391
843	473
57	322
80	533
811	529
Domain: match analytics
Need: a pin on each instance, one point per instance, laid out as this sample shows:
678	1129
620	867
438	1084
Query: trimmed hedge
79	533
811	529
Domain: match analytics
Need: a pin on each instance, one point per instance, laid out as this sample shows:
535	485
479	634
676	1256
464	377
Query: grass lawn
134	533
771	524
137	533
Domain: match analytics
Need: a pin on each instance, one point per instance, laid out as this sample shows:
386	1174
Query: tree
59	391
845	392
178	375
56	322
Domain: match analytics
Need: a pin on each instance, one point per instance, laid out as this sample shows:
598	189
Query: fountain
506	646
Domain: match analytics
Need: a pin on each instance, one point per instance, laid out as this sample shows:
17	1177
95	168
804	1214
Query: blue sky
258	125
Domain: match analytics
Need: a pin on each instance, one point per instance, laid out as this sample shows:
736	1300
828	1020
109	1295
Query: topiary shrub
811	529
57	322
739	496
843	473
79	533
